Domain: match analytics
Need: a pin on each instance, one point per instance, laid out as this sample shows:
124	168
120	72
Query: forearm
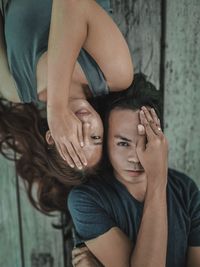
151	245
68	33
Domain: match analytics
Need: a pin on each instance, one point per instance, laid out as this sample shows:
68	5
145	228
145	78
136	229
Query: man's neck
137	188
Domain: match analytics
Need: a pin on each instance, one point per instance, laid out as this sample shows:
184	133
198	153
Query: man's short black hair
140	93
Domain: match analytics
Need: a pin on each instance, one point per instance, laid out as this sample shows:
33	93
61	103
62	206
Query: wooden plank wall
10	252
182	81
27	238
140	22
42	244
164	39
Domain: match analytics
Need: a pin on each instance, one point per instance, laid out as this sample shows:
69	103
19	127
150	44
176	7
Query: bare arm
76	24
113	248
153	229
82	257
7	83
193	257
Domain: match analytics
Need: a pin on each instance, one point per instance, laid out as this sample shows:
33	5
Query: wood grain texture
182	94
140	22
43	245
10	252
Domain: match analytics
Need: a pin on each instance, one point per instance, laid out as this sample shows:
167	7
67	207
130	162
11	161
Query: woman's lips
83	115
82	112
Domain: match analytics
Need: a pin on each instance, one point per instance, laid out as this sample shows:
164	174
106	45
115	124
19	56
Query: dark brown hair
22	130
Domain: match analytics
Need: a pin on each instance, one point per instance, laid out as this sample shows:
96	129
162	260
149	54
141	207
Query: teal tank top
26	29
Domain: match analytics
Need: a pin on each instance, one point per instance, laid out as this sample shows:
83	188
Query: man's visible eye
123	143
96	137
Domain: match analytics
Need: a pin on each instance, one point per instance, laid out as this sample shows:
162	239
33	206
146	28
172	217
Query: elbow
122	78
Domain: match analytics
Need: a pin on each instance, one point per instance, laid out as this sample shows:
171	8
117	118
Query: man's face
122	140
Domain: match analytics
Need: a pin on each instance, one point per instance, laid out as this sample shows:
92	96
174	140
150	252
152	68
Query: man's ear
49	138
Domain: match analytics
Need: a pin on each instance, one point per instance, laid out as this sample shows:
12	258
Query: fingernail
72	166
140	128
80	167
85	163
142	112
82	144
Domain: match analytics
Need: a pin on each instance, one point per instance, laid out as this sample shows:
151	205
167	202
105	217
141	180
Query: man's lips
134	173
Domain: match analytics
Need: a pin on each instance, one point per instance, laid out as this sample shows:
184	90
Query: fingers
141	143
78	258
65	156
151	122
149	132
78	254
78	251
80	134
86	127
71	154
79	152
155	117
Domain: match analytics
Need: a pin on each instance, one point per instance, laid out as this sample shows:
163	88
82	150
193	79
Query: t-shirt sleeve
89	217
194	210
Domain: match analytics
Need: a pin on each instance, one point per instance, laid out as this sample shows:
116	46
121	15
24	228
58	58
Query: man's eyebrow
122	138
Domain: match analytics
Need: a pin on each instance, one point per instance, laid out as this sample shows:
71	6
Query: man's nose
86	128
133	157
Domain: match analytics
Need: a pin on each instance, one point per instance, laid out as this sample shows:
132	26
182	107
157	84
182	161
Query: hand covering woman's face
92	130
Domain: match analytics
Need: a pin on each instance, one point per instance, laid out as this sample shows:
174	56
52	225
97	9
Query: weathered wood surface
43	244
140	22
10	251
182	80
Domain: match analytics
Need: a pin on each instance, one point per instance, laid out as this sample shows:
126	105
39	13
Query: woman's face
92	130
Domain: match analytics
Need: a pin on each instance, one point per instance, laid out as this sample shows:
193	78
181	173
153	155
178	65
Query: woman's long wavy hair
22	131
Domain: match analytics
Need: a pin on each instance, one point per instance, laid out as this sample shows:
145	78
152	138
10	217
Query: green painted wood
140	22
43	245
182	94
10	253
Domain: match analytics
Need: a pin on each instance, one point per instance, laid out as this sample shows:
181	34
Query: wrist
57	106
156	195
58	101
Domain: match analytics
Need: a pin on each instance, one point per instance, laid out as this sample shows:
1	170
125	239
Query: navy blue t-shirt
101	204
